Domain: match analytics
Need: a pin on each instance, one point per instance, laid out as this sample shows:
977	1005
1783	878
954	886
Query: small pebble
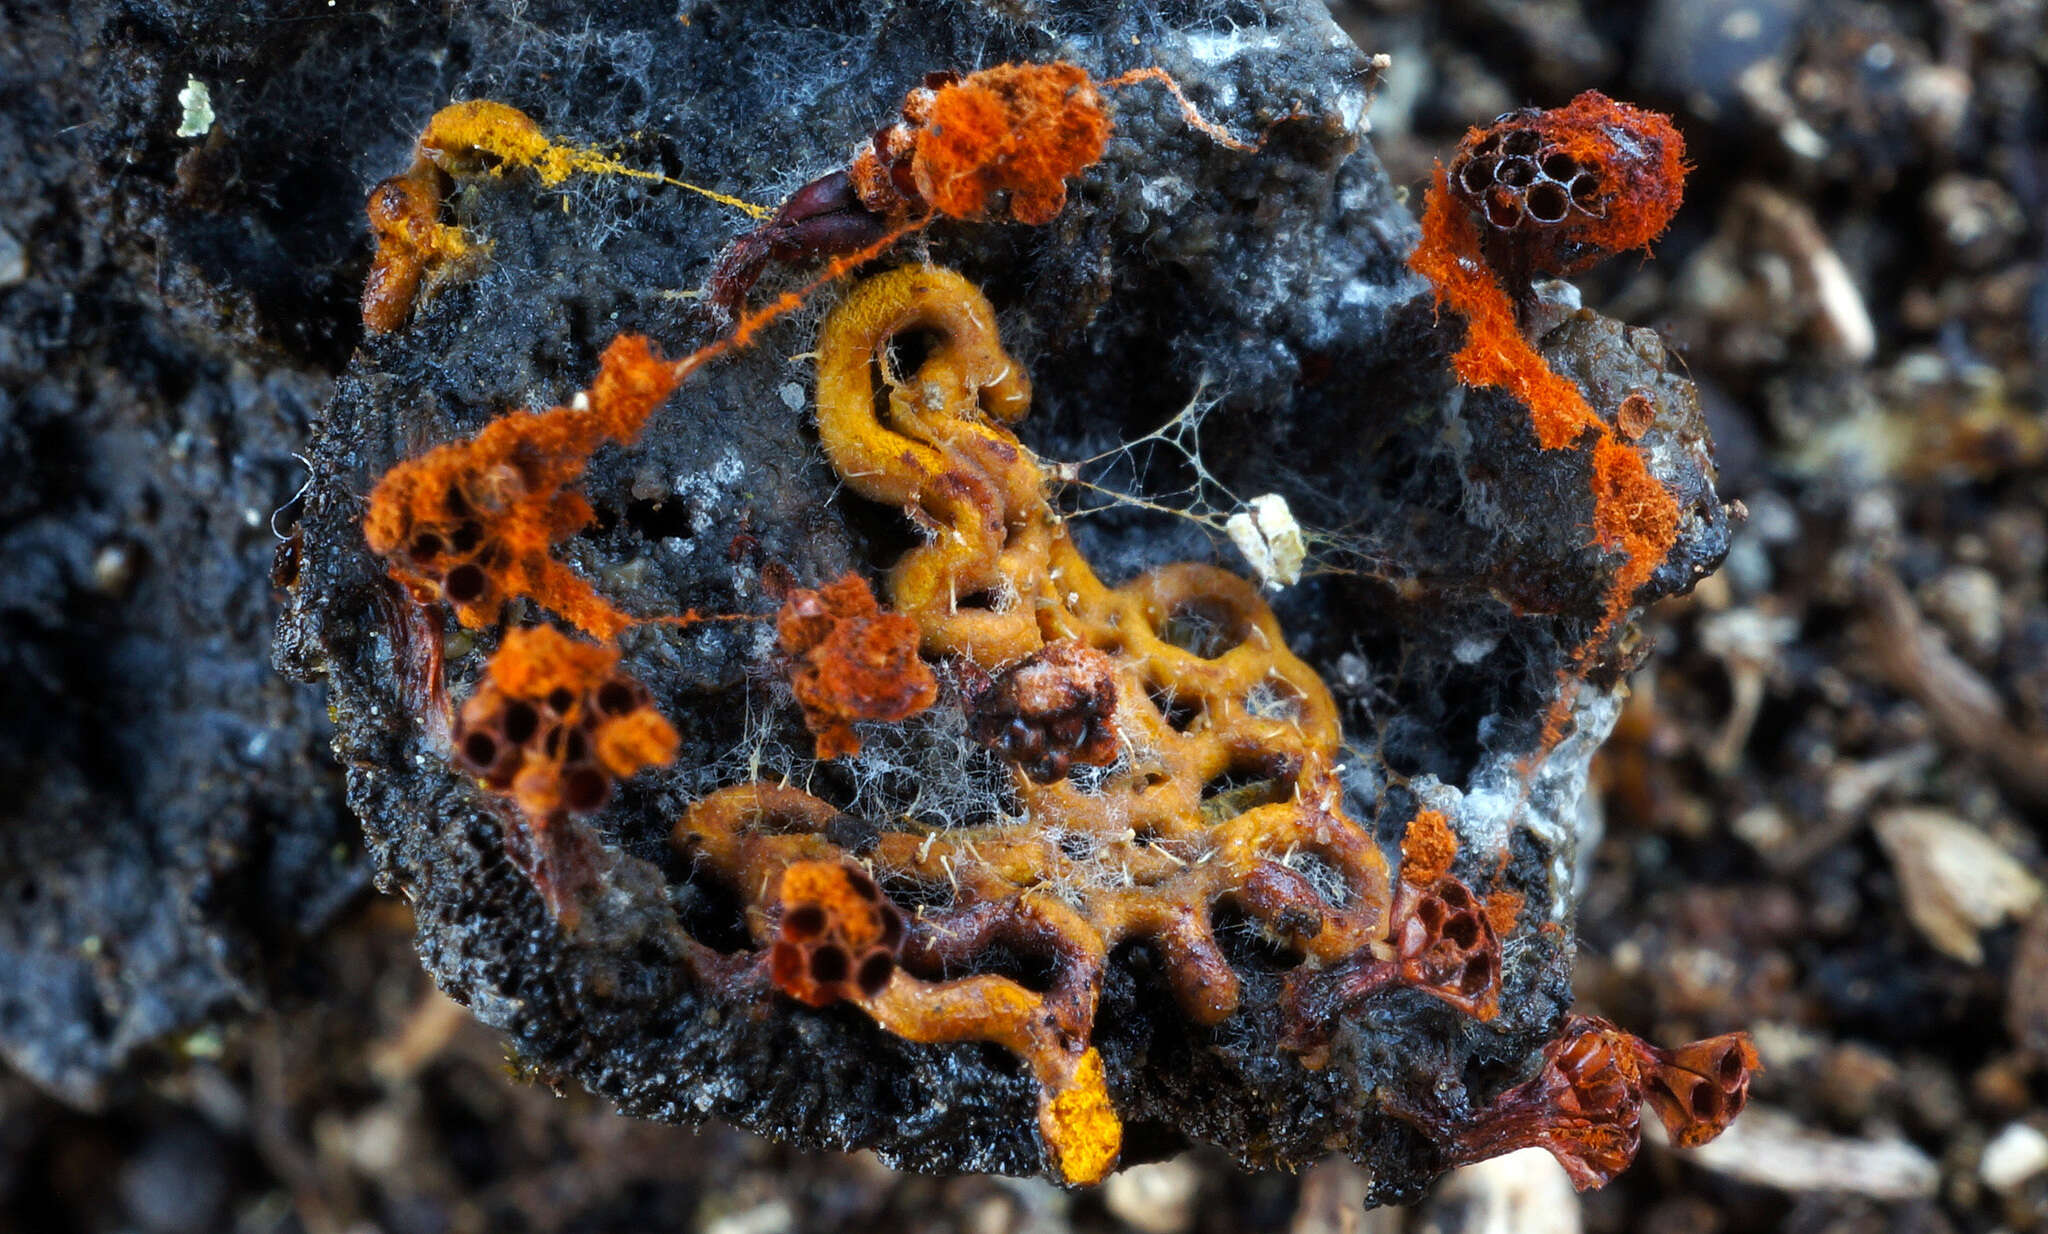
1154	1199
113	569
1524	1192
2017	1154
13	259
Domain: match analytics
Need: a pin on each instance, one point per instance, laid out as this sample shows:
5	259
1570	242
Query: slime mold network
1014	609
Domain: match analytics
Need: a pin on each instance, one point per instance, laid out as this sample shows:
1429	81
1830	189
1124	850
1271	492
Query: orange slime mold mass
1211	750
1552	192
1000	141
851	661
1020	129
475	522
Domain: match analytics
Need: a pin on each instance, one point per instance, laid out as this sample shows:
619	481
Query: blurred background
1823	809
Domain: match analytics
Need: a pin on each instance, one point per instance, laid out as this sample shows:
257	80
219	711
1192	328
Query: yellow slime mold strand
460	132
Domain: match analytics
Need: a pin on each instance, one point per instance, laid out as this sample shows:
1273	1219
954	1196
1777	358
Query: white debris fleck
1166	194
1210	47
792	395
13	259
1473	648
773	1217
710	488
1266	533
197	102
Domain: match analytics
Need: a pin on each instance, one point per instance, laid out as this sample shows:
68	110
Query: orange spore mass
535	661
1495	352
1632	514
412	242
1503	909
1640	155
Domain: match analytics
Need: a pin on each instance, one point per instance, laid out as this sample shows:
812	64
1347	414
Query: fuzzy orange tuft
850	660
1427	849
1639	156
1495	352
1503	909
1632	514
1024	129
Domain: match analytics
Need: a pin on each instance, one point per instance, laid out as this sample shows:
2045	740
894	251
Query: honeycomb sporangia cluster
1488	228
837	937
1050	711
1558	190
1584	1105
554	725
475	522
1441	938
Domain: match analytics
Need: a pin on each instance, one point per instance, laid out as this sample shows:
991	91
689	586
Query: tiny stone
2017	1154
1154	1199
1524	1192
113	569
1956	881
13	259
1770	1148
2000	1087
773	1217
1855	1081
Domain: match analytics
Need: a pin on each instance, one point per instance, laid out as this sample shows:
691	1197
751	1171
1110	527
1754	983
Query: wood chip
1771	1148
1955	880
